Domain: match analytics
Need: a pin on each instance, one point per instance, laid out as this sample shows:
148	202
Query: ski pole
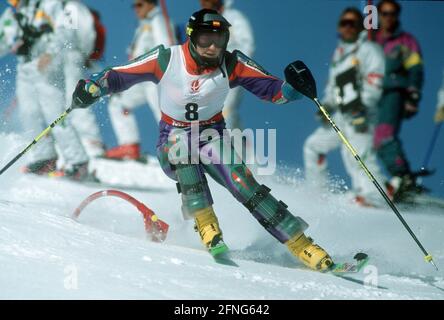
303	81
167	21
425	164
42	134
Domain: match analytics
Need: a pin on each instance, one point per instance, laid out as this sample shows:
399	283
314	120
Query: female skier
193	81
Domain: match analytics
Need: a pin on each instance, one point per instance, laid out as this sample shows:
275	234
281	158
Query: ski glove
360	120
439	115
86	93
412	97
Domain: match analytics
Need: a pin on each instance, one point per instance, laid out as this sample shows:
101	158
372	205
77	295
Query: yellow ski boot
312	255
209	231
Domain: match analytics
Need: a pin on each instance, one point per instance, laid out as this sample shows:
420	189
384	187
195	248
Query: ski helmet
207	27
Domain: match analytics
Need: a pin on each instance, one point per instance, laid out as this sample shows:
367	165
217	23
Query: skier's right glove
439	115
360	121
86	93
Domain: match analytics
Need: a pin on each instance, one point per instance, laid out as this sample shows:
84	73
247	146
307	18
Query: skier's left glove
439	115
360	120
412	97
86	93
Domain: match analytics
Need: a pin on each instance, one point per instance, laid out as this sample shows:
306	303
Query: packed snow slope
45	254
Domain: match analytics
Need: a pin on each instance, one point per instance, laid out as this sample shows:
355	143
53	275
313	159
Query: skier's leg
362	186
224	165
197	201
386	140
52	101
43	156
124	122
389	146
316	148
83	120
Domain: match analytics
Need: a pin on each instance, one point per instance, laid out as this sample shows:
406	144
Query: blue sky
287	30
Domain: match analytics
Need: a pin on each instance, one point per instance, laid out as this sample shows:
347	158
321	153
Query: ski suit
40	95
152	31
352	93
8	32
79	21
188	95
242	39
403	75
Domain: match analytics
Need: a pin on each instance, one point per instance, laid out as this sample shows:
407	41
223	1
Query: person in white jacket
353	90
152	31
39	44
78	21
439	115
241	38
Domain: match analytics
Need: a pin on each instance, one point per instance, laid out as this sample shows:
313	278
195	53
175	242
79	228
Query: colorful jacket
404	66
242	71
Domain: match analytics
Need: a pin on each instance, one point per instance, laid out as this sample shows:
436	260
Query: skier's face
388	16
141	7
210	4
211	52
348	27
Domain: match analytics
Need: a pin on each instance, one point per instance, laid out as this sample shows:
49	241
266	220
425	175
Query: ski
361	260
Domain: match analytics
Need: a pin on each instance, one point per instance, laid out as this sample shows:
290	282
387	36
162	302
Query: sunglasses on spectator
348	23
389	13
137	5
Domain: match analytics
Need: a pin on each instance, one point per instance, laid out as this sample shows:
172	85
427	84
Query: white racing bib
186	97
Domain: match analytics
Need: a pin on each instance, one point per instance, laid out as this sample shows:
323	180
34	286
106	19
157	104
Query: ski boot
311	255
124	152
402	188
42	168
78	172
209	231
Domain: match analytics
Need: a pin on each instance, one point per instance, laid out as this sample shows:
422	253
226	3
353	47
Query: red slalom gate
155	227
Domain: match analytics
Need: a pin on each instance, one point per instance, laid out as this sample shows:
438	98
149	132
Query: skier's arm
148	67
160	32
8	32
412	61
329	92
241	37
441	94
439	115
53	15
372	70
243	71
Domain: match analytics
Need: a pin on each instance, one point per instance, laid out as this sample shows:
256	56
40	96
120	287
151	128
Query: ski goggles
389	13
207	38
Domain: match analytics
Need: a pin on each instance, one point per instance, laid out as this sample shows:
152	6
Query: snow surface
45	254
